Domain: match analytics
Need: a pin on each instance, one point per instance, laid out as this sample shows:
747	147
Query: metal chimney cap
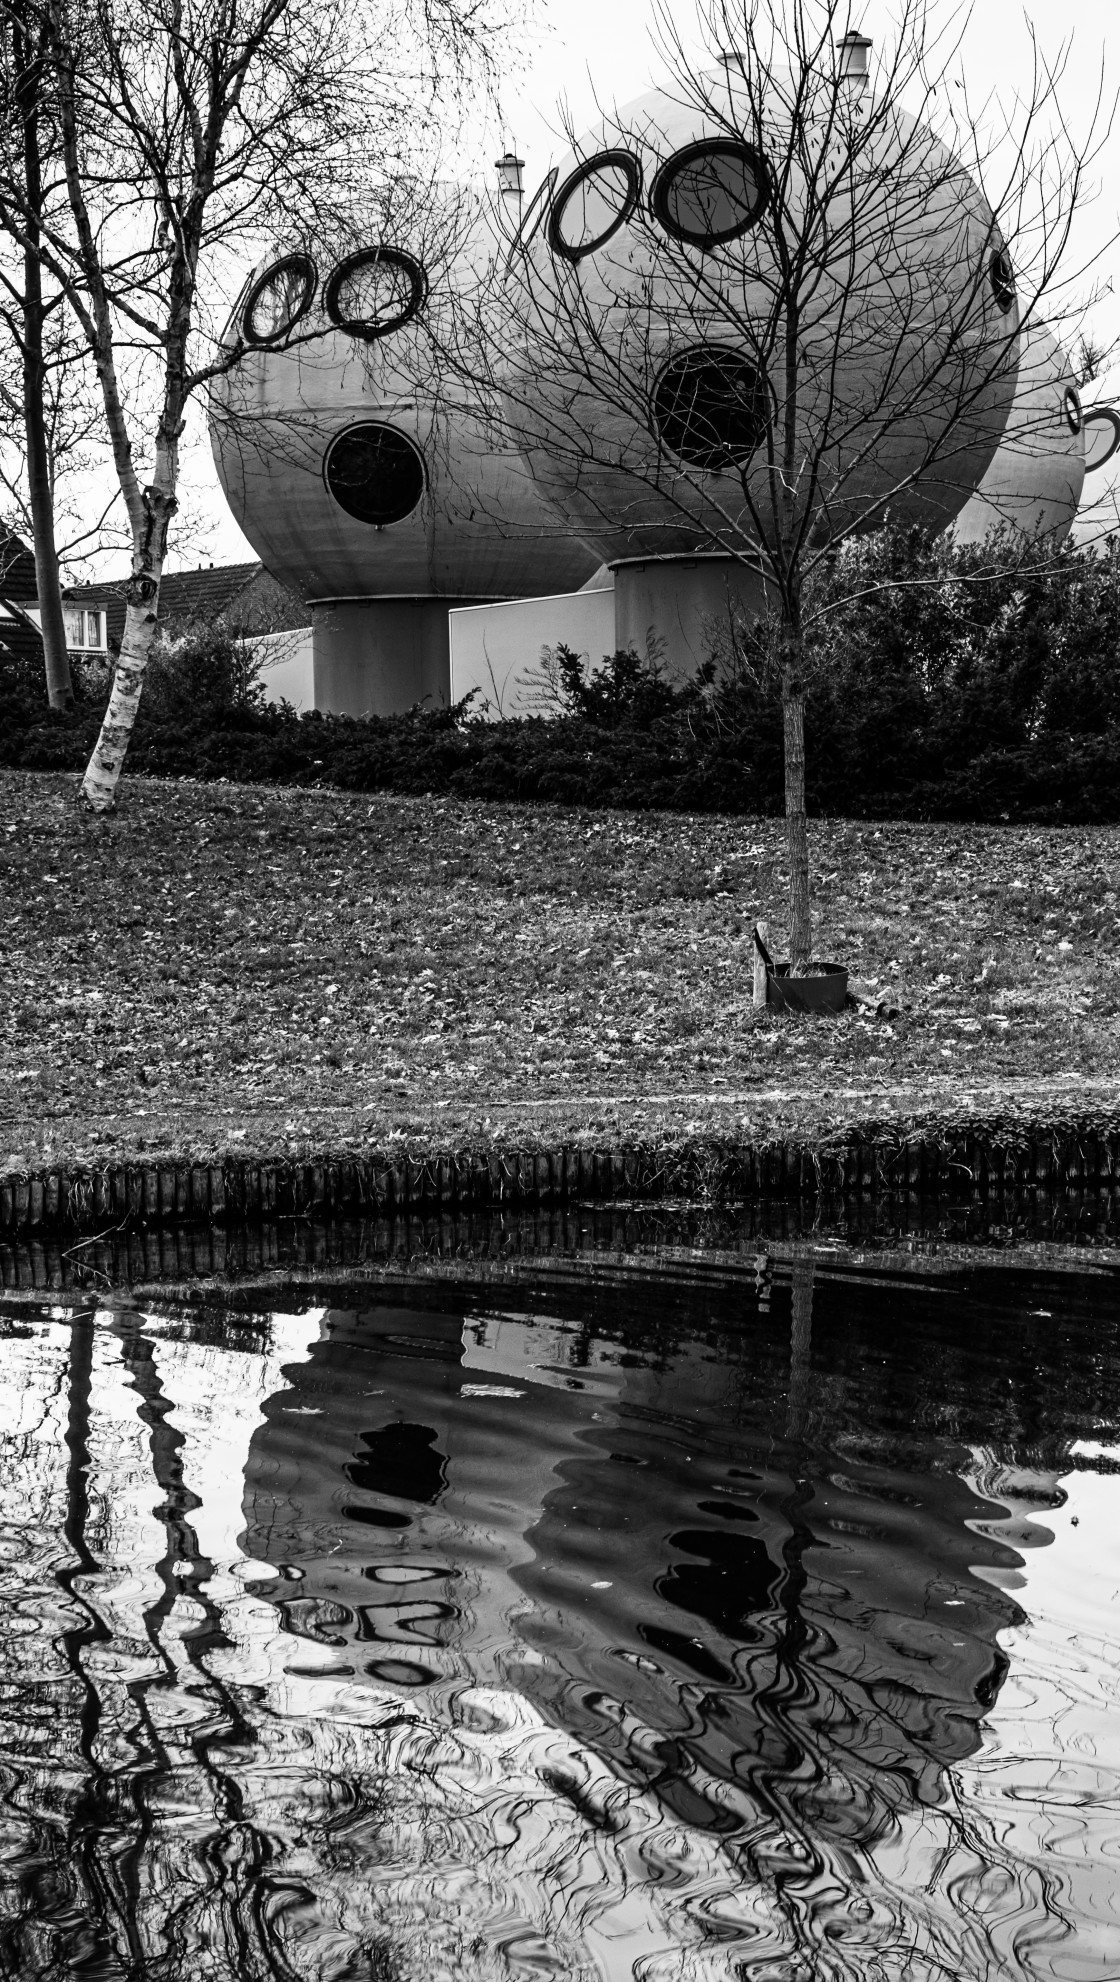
852	49
510	170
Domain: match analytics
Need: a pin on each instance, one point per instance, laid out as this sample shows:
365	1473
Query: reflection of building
640	1628
476	1495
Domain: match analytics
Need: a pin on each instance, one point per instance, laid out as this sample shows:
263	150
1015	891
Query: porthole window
278	299
1072	407
1102	437
535	213
710	192
709	406
375	474
1001	276
375	292
593	204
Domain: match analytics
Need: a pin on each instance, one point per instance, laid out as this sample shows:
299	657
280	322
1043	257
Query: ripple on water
365	1646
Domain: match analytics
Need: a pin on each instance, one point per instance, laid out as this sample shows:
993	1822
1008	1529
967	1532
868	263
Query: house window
85	629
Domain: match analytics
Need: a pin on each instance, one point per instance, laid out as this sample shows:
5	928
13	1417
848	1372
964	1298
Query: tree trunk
797	837
60	690
99	786
56	655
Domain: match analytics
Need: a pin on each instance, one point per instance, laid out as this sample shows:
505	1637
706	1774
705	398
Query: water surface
742	1624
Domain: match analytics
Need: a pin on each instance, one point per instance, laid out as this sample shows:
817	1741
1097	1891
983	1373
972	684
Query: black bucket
825	991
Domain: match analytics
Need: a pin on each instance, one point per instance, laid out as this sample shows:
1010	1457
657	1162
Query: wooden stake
761	960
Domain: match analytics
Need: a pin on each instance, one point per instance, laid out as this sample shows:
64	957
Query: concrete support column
680	601
381	656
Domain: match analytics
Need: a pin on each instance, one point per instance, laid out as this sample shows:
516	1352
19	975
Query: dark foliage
939	691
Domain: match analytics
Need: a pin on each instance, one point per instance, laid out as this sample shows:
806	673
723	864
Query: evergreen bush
971	684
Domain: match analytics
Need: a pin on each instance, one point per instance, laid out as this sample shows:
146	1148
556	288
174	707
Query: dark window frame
631	165
1001	280
700	148
535	214
1073	410
366	327
1101	416
310	274
696	356
381	427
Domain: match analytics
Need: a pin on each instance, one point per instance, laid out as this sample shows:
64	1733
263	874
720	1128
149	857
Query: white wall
497	649
288	667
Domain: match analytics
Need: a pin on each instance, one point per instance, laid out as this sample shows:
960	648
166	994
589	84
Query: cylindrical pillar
674	606
381	656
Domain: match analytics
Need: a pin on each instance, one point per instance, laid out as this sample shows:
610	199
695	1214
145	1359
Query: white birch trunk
99	786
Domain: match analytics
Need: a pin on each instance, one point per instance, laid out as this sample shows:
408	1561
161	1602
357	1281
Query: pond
679	1620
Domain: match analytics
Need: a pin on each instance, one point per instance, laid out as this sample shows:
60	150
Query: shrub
970	684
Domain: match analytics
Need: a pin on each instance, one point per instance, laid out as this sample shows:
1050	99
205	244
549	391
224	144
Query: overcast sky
591	50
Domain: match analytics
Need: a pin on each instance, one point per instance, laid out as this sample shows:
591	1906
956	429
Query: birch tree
780	301
190	135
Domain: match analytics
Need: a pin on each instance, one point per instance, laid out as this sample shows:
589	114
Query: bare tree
31	308
779	301
188	132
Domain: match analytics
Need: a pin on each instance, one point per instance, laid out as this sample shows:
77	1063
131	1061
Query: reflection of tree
116	1877
220	1791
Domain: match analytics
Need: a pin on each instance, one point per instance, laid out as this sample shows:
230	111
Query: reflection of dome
647	366
621	1579
1034	480
356	473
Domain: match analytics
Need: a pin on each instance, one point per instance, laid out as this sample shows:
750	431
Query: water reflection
751	1633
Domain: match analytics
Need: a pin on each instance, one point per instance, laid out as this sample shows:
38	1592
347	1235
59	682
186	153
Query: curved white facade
478	528
610	304
1034	481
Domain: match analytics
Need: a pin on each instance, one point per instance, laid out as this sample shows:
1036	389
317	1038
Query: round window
709	407
1102	437
534	213
1072	406
1001	276
375	473
278	299
375	291
593	204
710	192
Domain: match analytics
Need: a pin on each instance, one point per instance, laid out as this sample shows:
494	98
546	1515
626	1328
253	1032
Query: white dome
644	369
351	468
1034	481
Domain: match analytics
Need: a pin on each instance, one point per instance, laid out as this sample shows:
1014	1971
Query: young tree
190	134
777	302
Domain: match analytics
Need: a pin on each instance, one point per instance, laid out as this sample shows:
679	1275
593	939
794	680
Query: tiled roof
17	570
182	594
22	642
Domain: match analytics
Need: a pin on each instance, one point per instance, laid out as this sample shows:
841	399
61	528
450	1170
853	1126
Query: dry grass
220	966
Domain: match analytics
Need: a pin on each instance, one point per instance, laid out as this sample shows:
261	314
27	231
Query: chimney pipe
511	182
852	49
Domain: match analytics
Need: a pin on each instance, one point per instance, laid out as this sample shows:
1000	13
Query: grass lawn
225	967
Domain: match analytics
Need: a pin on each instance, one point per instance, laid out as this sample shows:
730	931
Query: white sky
602	49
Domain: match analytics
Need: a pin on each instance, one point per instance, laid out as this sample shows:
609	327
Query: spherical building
716	351
1033	483
365	479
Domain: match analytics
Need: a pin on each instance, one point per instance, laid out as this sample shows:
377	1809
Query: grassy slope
223	967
